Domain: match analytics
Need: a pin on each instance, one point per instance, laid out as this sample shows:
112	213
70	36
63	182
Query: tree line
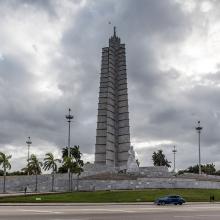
72	164
159	159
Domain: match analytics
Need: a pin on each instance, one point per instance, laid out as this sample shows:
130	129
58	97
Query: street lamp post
174	158
69	117
199	128
28	142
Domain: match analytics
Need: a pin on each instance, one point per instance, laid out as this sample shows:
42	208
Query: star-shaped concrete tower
113	133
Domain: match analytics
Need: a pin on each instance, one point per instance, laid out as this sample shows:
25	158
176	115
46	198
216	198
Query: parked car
174	199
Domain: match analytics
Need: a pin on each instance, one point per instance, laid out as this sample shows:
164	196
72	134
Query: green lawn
148	195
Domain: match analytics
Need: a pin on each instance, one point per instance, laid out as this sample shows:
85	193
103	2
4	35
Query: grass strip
148	195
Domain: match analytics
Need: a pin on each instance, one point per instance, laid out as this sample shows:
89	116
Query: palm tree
69	163
74	152
34	166
74	163
4	161
51	163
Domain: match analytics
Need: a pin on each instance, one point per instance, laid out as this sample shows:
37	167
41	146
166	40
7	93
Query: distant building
113	133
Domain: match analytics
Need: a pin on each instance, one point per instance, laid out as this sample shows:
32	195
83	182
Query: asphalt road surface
110	212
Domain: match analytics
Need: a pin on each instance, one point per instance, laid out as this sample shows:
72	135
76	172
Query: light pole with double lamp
69	117
199	128
28	142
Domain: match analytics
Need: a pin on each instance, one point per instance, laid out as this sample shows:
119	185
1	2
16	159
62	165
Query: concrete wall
155	171
17	183
144	183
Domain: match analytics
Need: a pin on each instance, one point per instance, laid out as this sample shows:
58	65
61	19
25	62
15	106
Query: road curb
95	204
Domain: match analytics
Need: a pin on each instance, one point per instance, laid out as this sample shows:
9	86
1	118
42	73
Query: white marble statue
132	166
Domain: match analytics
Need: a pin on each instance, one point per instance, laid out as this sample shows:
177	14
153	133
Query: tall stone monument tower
113	134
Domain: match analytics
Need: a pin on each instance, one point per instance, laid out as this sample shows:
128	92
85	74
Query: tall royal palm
75	154
34	166
4	161
51	163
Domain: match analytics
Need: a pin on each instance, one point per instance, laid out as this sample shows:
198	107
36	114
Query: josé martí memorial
115	165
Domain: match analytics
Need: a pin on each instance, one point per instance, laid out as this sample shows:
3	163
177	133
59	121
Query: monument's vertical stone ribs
113	133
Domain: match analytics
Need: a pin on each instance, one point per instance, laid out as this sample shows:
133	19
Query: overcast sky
50	57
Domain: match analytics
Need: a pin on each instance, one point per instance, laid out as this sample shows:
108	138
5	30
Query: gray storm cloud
55	64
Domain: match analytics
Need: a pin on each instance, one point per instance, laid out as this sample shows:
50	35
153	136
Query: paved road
110	212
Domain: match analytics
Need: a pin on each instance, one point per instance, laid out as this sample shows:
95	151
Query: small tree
4	161
51	163
26	170
159	159
1	173
34	166
209	168
206	168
